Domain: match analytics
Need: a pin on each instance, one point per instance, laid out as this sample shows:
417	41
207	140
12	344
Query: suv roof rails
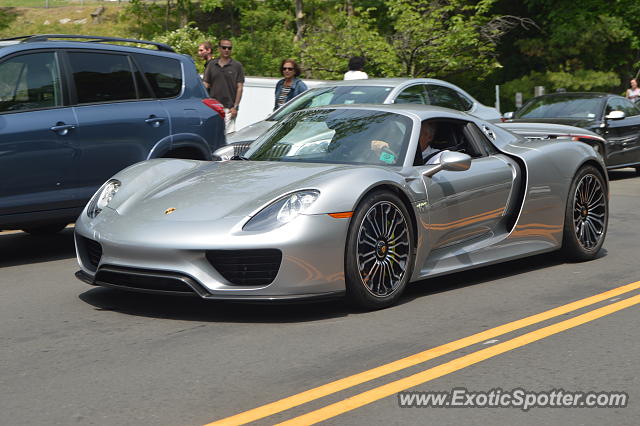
44	37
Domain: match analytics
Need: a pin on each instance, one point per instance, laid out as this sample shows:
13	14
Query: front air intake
246	267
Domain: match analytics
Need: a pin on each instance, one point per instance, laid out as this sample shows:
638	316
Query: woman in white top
356	64
633	94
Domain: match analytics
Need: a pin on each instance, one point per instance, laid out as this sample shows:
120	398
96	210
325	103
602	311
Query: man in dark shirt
224	77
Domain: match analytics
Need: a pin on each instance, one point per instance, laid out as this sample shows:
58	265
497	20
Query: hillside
63	20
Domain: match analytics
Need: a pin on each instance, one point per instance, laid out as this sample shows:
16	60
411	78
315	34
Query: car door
623	136
464	205
119	121
35	132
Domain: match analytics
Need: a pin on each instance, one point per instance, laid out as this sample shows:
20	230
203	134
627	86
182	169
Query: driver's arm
378	145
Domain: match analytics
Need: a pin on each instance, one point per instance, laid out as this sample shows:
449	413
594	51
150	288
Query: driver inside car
430	155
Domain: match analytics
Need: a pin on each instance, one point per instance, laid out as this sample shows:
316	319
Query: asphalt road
74	354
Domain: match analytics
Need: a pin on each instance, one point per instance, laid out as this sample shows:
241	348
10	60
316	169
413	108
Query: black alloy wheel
587	215
380	250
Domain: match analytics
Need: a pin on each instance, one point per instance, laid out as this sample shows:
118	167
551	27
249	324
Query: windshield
561	107
337	95
336	136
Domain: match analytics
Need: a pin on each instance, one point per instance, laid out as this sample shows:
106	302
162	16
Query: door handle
154	121
62	129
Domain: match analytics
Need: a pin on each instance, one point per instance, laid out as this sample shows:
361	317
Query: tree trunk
299	21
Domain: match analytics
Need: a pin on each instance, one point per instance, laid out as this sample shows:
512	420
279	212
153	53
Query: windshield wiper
239	157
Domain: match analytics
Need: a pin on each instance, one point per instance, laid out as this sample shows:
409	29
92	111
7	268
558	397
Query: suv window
102	77
445	97
164	75
30	81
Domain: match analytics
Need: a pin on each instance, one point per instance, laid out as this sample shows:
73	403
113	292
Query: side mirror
508	115
451	161
615	115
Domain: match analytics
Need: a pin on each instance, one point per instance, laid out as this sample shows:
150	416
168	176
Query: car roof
575	95
422	111
11	46
394	82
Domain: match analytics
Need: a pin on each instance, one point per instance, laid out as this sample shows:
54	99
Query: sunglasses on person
287	69
226	47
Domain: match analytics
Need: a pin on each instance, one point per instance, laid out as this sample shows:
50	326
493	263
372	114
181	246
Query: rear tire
45	229
586	215
380	251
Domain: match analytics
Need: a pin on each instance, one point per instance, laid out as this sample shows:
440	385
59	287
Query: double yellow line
388	389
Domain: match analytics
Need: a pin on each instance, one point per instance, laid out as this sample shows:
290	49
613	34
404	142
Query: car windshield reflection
336	136
337	95
562	107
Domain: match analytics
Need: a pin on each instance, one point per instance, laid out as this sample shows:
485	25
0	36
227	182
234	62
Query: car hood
223	190
577	122
250	133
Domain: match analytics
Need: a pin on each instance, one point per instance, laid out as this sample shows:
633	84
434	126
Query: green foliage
441	38
185	40
145	19
577	81
267	37
211	5
330	43
7	16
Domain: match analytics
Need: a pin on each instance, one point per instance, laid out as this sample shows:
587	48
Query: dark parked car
74	112
615	118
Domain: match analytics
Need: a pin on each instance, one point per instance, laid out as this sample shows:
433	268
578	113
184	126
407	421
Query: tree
267	31
440	38
339	35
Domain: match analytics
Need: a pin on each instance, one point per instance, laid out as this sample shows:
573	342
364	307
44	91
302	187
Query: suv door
623	136
119	121
35	133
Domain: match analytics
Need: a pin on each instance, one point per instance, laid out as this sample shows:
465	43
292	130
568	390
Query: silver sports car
340	200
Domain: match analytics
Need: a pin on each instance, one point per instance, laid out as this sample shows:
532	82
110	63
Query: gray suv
74	111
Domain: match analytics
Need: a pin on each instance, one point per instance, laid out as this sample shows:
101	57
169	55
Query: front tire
586	215
380	251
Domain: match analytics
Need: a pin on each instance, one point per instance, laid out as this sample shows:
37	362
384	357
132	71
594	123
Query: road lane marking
414	380
421	357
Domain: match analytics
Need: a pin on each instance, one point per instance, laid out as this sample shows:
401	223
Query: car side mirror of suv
615	115
508	115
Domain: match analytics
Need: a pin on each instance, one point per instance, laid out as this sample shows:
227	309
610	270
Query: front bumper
134	258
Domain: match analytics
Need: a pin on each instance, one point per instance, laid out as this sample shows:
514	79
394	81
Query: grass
52	3
24	20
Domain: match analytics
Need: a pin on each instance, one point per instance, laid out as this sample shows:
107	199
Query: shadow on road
21	248
195	309
480	275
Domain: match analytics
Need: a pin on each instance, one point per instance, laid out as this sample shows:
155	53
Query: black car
615	118
76	109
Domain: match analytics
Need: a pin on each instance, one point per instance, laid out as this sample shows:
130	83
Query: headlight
102	198
282	211
224	153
